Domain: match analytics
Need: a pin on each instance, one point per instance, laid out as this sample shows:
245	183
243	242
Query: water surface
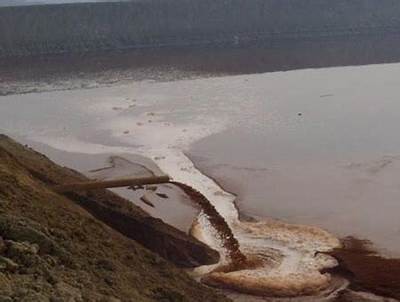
318	147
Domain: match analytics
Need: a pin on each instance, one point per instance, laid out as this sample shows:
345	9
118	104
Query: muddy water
306	146
311	146
325	156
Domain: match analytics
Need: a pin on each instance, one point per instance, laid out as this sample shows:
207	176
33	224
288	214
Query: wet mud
226	236
366	270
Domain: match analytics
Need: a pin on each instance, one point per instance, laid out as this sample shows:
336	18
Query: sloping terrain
52	249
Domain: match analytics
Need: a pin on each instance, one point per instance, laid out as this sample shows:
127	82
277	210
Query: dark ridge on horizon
44	2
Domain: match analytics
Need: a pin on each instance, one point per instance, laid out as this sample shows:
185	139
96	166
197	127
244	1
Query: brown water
334	165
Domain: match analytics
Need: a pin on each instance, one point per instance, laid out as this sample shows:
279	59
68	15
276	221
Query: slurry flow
162	120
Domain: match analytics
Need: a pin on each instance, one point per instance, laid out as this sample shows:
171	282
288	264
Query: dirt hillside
52	248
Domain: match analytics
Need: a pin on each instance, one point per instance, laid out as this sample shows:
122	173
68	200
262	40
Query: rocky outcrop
79	27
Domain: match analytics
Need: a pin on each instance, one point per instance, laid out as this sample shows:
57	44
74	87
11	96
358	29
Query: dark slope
50	247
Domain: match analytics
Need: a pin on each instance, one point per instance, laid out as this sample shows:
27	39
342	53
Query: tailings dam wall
79	27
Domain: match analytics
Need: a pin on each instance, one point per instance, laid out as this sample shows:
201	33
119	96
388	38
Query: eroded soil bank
55	247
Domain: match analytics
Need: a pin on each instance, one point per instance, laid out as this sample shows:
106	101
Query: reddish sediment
228	240
366	270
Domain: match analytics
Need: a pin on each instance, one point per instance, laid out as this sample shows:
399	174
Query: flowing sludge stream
265	258
228	241
270	258
236	265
